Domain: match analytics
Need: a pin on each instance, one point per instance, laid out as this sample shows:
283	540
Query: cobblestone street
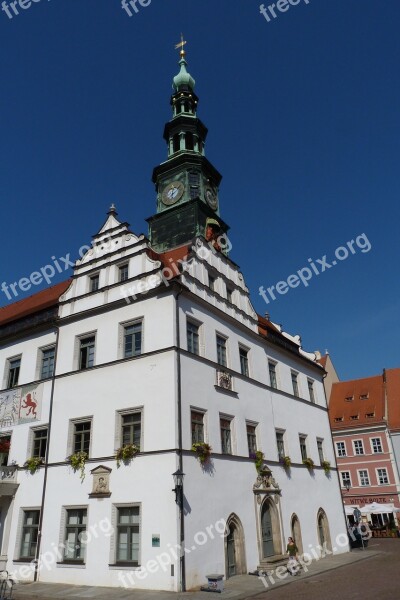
375	578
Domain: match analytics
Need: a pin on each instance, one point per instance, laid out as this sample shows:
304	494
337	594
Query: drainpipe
336	463
53	380
182	563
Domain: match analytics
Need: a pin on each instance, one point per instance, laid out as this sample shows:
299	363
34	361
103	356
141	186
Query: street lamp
178	489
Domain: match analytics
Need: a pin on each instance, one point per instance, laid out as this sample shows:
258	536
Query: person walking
292	550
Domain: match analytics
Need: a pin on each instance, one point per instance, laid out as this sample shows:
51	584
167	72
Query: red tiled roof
372	388
171	257
27	306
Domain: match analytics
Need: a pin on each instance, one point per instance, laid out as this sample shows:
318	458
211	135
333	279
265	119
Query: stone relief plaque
101	482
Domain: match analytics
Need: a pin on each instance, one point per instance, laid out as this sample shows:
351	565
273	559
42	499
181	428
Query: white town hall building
153	346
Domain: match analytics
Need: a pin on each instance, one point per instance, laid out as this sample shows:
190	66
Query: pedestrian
292	550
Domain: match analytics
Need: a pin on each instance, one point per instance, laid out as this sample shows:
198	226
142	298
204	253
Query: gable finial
181	45
112	210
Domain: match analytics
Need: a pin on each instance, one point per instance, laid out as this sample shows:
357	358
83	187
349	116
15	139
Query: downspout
182	563
334	455
53	380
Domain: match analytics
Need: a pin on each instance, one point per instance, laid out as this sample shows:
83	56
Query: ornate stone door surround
266	489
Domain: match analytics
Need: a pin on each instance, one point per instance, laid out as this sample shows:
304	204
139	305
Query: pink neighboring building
359	415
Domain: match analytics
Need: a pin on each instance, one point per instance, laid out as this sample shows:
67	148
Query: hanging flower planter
258	458
326	465
202	451
285	461
32	464
309	463
78	461
126	453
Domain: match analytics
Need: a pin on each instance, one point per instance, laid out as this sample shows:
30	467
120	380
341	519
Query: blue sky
303	118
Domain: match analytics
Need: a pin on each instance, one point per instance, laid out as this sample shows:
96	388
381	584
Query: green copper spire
183	79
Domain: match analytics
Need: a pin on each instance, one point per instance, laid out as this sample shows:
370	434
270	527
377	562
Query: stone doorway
296	532
235	555
324	535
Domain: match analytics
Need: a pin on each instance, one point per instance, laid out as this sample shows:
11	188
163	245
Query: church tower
187	184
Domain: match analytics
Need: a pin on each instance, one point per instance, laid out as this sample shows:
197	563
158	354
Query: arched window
176	142
189	141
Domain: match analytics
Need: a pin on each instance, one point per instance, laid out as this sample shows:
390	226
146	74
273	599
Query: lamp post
178	489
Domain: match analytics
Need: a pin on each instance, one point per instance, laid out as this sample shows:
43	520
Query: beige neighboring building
331	375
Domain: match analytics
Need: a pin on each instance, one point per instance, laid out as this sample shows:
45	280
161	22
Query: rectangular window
229	294
30	529
320	446
244	361
221	351
82	432
364	477
376	445
131	428
47	370
133	340
310	384
226	436
303	446
94	283
74	540
123	272
128	535
211	283
86	352
14	366
192	332
272	374
280	444
39	443
197	427
382	476
341	448
345	475
358	447
251	439
295	384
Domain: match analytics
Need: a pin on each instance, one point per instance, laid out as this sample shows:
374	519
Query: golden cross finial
181	45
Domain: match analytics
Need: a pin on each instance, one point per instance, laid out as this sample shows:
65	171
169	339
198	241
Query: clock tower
187	184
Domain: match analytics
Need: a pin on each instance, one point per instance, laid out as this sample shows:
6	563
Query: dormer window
364	396
353	417
94	283
349	399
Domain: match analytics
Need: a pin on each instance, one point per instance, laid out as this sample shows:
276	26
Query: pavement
240	587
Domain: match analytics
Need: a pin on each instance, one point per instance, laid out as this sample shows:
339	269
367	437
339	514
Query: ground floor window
75	529
128	535
30	530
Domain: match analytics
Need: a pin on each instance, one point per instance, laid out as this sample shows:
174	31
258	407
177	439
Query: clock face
211	198
172	193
